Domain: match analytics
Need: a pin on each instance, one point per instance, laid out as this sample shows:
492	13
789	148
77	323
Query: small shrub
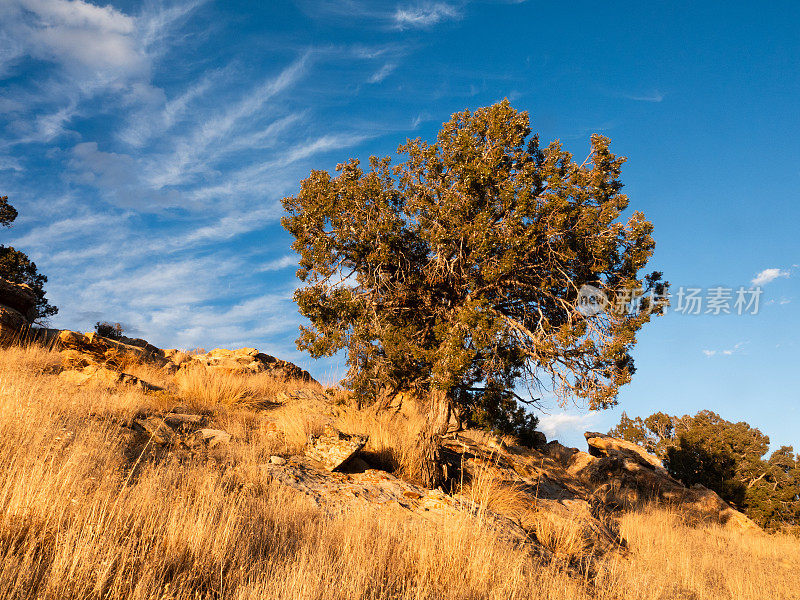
112	331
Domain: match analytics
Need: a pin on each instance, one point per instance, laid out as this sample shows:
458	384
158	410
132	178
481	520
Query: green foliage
112	331
16	267
459	268
7	212
497	411
725	457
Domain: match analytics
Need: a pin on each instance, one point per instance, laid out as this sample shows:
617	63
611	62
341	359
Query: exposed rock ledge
17	310
90	356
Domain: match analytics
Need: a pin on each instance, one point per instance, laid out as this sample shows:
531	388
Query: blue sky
147	147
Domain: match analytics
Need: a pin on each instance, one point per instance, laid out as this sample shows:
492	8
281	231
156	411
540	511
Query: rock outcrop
550	482
17	310
108	377
245	361
180	430
582	487
619	475
91	357
335	492
84	349
601	444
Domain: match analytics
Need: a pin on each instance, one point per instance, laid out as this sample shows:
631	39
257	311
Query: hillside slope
111	489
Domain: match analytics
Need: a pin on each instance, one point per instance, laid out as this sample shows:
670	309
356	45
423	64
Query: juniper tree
456	273
16	267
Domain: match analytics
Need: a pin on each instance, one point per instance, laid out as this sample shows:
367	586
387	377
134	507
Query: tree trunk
437	417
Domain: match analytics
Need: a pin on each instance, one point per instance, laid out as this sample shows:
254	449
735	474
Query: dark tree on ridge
16	267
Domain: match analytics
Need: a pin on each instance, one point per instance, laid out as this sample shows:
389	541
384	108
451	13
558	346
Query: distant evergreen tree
725	457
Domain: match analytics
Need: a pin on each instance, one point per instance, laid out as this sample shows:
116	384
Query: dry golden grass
563	535
669	560
296	422
207	388
485	491
77	520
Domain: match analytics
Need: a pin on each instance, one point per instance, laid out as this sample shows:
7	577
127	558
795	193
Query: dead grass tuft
30	358
202	387
563	535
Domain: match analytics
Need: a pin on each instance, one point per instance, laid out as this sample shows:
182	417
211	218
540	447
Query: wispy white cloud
279	263
194	150
149	122
92	50
182	302
9	163
737	348
261	179
163	157
424	15
557	425
67	229
654	96
382	73
768	275
419	119
231	225
266	137
120	178
77	35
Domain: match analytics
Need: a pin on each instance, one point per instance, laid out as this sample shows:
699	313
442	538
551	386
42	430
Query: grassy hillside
87	511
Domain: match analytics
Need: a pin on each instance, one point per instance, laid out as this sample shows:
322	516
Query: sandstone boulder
620	475
176	419
12	325
158	431
247	361
302	394
333	448
183	430
46	336
212	437
601	444
539	440
335	492
101	375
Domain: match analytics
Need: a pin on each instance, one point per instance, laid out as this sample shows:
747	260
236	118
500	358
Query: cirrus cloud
768	275
424	15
